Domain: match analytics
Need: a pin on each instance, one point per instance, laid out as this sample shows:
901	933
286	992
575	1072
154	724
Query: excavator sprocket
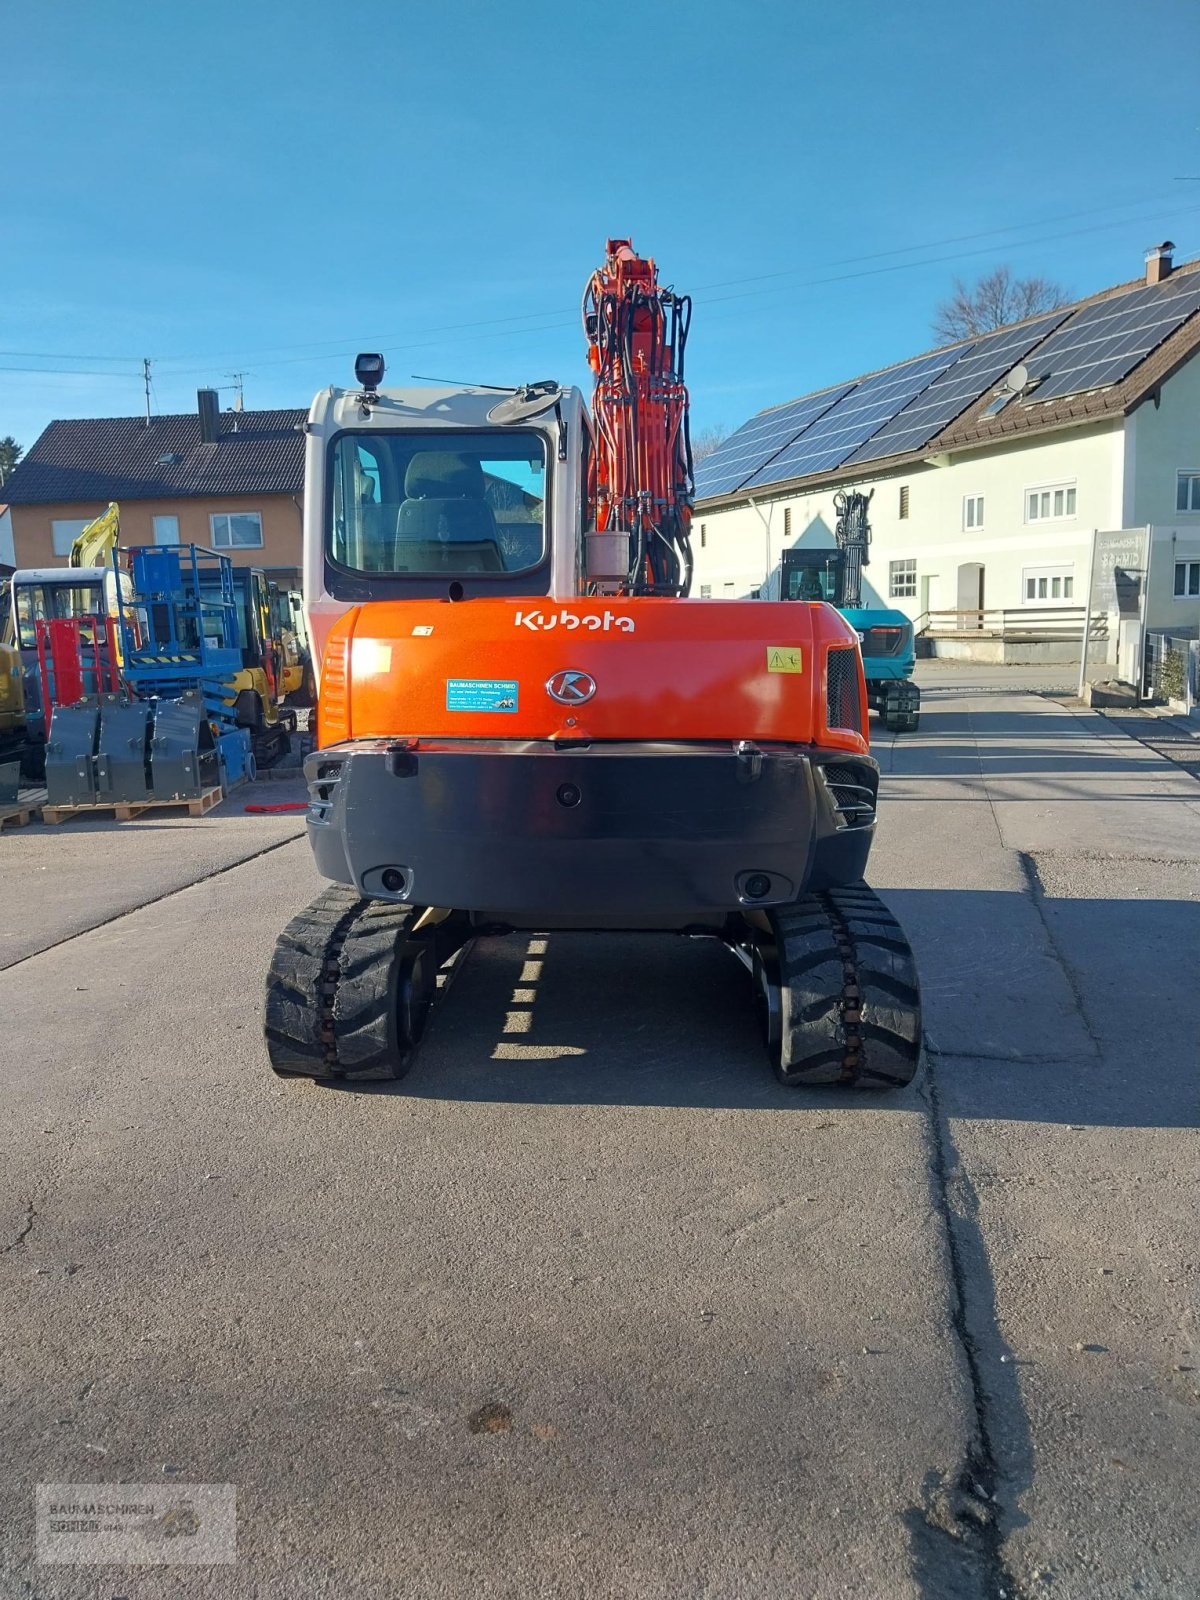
837	988
351	986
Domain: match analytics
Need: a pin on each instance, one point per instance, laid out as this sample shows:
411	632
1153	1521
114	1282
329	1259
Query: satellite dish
529	401
1017	378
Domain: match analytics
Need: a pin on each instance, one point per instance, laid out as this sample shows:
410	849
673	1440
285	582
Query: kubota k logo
570	688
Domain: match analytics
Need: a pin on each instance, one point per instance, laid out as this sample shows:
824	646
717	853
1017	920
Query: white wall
1167	438
733	557
1164	609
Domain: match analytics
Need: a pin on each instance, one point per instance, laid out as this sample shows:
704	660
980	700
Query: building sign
1119	572
1116	603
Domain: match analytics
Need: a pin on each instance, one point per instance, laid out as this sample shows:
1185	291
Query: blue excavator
886	637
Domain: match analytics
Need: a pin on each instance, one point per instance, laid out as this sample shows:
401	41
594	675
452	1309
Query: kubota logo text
602	623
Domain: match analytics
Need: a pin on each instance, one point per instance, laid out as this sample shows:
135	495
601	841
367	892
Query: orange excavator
525	724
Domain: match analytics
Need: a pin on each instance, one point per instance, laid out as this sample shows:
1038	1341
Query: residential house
990	463
231	481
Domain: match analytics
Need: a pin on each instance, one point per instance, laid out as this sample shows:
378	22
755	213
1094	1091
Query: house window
787	522
1187	491
166	530
902	579
65	532
756	594
1048	586
236	530
1187	579
703	535
1053	504
706	591
973	511
903	501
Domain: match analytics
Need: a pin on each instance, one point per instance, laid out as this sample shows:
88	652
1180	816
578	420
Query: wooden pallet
127	811
29	805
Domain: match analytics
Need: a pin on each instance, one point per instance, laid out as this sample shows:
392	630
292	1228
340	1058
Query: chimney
210	416
1158	262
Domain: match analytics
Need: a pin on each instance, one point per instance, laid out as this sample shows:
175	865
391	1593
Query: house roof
126	458
968	426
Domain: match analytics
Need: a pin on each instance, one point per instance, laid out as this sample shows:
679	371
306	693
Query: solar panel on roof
978	367
1102	344
740	456
853	419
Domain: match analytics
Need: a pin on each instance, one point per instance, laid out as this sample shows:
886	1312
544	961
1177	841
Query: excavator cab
296	686
425	494
812	575
53	593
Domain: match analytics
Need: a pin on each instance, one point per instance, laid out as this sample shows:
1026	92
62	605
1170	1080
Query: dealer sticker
481	694
784	658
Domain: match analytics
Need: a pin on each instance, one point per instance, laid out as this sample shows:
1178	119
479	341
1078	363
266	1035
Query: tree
993	300
706	441
10	454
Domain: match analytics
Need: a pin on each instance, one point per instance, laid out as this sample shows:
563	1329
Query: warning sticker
784	658
481	694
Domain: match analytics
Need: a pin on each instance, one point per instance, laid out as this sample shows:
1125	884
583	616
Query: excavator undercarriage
353	981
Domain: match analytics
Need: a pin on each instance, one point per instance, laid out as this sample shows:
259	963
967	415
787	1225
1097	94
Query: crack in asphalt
25	1230
1009	1057
962	1520
959	1523
154	900
1037	893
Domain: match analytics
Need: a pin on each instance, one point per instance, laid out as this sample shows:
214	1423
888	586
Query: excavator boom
95	542
640	479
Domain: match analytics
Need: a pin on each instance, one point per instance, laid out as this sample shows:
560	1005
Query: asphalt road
589	1305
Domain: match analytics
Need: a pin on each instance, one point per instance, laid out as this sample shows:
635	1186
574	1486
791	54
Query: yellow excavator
297	684
258	691
86	586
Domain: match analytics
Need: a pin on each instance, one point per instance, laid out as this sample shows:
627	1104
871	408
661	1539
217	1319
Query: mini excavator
525	724
885	637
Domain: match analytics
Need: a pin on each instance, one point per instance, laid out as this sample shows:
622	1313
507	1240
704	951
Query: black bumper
512	829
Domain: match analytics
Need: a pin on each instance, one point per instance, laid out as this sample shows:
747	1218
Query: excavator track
352	982
351	986
900	707
838	994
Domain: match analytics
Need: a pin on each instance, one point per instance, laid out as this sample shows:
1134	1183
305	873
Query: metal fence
1015	622
1172	668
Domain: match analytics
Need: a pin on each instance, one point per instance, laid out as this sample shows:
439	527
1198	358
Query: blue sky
266	187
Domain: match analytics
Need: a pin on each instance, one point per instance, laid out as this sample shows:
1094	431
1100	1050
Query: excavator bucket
71	754
118	751
183	757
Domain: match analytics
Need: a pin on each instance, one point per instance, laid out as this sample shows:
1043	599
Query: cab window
44	602
427	503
